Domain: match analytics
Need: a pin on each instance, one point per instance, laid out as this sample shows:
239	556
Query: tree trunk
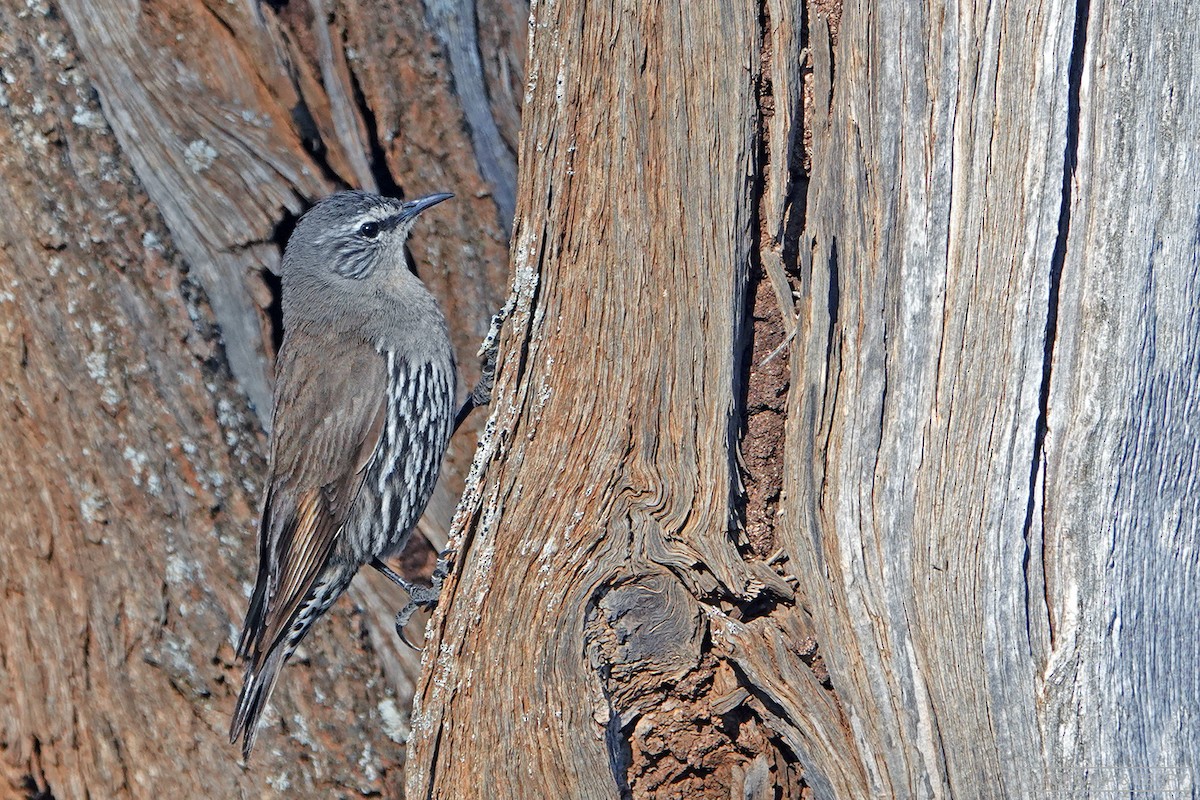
978	579
622	621
153	157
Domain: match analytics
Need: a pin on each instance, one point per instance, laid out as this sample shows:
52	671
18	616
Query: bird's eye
369	230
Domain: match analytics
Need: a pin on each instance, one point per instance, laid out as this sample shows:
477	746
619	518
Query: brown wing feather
330	409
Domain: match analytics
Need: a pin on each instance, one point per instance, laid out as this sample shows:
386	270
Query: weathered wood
989	447
878	484
592	637
1119	511
152	158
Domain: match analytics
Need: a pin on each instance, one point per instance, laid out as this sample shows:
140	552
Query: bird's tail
252	702
266	651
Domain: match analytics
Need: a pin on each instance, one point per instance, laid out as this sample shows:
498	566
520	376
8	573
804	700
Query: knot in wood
642	633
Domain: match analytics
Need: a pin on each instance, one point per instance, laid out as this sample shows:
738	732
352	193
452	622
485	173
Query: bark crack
302	117
34	784
377	156
1057	261
682	718
758	427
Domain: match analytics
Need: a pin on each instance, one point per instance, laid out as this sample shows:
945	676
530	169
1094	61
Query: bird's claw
481	395
422	597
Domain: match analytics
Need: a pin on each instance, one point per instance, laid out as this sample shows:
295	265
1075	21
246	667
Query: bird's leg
418	596
395	577
481	395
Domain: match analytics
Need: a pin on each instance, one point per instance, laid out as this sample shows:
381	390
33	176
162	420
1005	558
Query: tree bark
1000	378
153	157
979	579
621	623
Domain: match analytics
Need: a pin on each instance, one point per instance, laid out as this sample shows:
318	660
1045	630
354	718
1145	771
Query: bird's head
352	241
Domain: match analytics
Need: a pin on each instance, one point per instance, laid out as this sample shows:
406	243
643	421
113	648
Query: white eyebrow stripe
375	215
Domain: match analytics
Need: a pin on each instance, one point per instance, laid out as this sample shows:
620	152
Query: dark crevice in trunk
310	138
34	785
758	425
1057	261
433	762
377	156
302	117
620	752
833	302
762	377
796	205
35	791
274	310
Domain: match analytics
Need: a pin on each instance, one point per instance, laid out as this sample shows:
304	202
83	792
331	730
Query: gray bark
999	526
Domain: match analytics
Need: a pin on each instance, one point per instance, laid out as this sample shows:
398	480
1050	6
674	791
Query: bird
365	385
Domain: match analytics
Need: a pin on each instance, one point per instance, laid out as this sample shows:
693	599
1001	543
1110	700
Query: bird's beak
414	207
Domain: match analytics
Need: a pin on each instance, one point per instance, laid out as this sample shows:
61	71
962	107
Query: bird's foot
425	597
481	395
487	355
420	597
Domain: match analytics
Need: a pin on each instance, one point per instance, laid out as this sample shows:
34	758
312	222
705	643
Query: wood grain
983	286
597	625
1120	515
844	439
987	531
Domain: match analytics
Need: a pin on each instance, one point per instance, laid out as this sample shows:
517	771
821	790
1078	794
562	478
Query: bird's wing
330	411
